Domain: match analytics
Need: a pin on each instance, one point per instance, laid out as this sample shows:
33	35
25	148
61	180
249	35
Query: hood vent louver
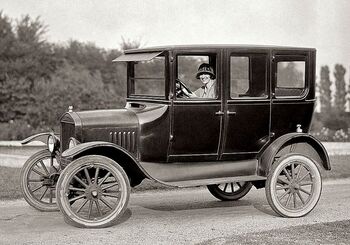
125	139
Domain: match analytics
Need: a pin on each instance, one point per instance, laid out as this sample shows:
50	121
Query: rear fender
125	159
294	142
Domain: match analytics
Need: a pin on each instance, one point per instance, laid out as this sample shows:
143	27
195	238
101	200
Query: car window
248	76
188	67
290	78
148	77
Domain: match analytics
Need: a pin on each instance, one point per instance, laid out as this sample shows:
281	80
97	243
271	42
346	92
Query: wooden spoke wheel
93	191
39	176
230	191
293	186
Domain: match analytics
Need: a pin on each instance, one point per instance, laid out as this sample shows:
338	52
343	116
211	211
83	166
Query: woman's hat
205	69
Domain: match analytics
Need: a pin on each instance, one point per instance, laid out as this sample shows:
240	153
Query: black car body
262	111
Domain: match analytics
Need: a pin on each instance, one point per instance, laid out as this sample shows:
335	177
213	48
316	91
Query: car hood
107	118
119	126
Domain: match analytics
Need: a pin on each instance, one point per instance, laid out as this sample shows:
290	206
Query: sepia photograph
174	122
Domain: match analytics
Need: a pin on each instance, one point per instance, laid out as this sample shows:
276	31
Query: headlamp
51	141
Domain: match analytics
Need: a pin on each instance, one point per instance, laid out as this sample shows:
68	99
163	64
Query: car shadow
265	209
127	214
180	206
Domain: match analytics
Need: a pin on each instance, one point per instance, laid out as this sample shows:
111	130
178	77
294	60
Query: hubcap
94	193
294	186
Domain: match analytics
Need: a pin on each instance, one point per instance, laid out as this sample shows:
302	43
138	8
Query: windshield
147	78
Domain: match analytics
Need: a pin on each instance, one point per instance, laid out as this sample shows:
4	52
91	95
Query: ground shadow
127	214
185	205
265	209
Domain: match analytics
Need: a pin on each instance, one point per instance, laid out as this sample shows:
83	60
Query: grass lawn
10	178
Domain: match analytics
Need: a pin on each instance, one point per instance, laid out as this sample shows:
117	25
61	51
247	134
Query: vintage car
253	131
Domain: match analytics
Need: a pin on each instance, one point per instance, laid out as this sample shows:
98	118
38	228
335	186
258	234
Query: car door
196	122
247	112
292	92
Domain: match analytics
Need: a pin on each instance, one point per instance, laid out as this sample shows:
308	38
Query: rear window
290	78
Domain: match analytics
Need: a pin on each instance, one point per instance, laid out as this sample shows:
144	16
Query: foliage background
39	80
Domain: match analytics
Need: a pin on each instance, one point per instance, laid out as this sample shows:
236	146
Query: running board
199	173
203	182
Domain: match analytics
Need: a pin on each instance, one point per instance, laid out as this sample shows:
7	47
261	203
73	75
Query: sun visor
137	56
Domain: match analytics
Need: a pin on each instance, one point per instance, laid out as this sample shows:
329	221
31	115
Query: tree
26	59
114	74
348	96
7	37
340	93
86	54
130	44
325	90
70	85
32	58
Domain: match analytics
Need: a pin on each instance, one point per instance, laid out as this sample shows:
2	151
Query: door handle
219	113
231	113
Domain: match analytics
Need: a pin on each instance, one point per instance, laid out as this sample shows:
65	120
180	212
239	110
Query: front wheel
39	175
230	191
293	186
93	192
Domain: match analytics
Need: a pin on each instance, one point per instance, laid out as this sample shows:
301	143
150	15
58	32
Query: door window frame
248	55
218	73
290	58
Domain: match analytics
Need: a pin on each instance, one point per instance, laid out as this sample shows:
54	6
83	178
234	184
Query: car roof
216	46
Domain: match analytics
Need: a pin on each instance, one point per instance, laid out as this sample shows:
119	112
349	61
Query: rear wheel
93	192
39	175
230	191
293	186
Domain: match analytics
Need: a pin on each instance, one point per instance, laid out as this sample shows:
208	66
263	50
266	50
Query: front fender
42	137
80	148
293	142
111	150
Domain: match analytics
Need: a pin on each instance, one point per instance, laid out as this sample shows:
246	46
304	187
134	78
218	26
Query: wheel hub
50	180
93	191
294	186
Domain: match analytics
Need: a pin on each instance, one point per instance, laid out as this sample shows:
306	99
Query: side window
290	78
248	76
190	83
148	77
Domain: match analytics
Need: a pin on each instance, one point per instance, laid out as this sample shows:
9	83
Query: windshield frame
131	83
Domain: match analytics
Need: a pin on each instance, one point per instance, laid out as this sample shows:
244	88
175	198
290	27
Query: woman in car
206	75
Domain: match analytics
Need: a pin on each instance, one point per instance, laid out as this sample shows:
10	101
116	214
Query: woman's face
205	78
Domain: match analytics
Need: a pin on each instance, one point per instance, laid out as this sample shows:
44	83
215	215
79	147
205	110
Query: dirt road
184	216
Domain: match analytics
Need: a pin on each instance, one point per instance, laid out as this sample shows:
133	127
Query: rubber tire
272	178
63	183
24	184
223	196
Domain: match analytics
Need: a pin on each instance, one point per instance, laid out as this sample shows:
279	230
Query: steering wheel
182	91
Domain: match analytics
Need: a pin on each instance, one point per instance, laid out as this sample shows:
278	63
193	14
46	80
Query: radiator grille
67	131
126	139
